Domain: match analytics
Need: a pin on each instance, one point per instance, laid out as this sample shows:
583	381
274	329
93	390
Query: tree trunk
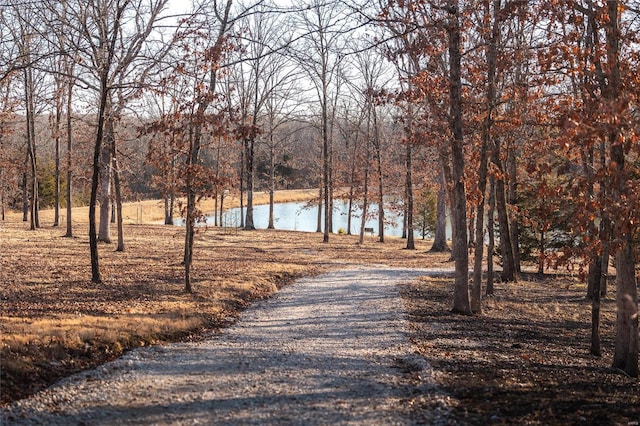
440	237
352	184
492	240
58	120
31	147
325	172
626	345
506	248
595	308
409	195
104	232
69	233
378	149
249	144
272	180
365	193
461	302
25	188
514	228
93	232
116	184
320	212
242	178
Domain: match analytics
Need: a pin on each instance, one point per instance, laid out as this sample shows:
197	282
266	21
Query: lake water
300	217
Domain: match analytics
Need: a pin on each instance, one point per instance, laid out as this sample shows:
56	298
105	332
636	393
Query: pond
301	217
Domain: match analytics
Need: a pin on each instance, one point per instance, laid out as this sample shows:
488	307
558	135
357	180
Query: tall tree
321	55
111	39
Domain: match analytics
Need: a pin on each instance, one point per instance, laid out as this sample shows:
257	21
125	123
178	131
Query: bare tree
112	41
321	55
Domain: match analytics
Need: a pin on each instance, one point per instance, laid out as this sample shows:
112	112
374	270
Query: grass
55	321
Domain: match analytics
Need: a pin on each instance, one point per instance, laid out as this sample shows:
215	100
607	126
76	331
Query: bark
58	120
325	166
320	212
461	302
626	344
352	184
31	148
506	248
249	145
491	237
378	152
272	179
69	233
93	236
365	191
104	232
116	184
25	189
625	355
440	237
514	228
595	270
242	178
409	196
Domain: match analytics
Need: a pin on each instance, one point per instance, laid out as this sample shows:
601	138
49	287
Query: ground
524	360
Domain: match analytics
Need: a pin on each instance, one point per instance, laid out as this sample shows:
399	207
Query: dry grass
54	320
152	211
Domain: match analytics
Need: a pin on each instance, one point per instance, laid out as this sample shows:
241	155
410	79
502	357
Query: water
299	217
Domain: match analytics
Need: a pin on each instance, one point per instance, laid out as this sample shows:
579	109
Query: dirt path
329	349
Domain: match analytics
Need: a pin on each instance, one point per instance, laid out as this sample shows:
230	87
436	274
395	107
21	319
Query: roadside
526	359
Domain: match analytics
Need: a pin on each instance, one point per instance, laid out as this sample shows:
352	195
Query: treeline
521	116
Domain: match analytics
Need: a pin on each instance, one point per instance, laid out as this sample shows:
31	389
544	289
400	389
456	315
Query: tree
325	27
599	145
206	62
112	37
261	72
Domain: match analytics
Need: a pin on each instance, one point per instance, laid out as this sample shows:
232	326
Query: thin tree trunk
492	57
365	193
352	185
117	186
514	227
93	232
104	232
595	309
58	120
31	148
25	188
249	148
506	248
69	233
462	302
440	237
320	212
491	235
272	180
409	196
380	178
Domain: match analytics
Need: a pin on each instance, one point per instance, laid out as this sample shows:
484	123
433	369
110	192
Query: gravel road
331	349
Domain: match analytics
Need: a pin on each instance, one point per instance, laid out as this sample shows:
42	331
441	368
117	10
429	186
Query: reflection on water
299	217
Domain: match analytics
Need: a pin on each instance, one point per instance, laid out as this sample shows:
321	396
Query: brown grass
54	320
152	211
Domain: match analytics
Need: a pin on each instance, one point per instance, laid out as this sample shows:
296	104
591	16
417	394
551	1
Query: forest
516	122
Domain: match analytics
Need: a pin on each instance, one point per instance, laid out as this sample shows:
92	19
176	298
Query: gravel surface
328	349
